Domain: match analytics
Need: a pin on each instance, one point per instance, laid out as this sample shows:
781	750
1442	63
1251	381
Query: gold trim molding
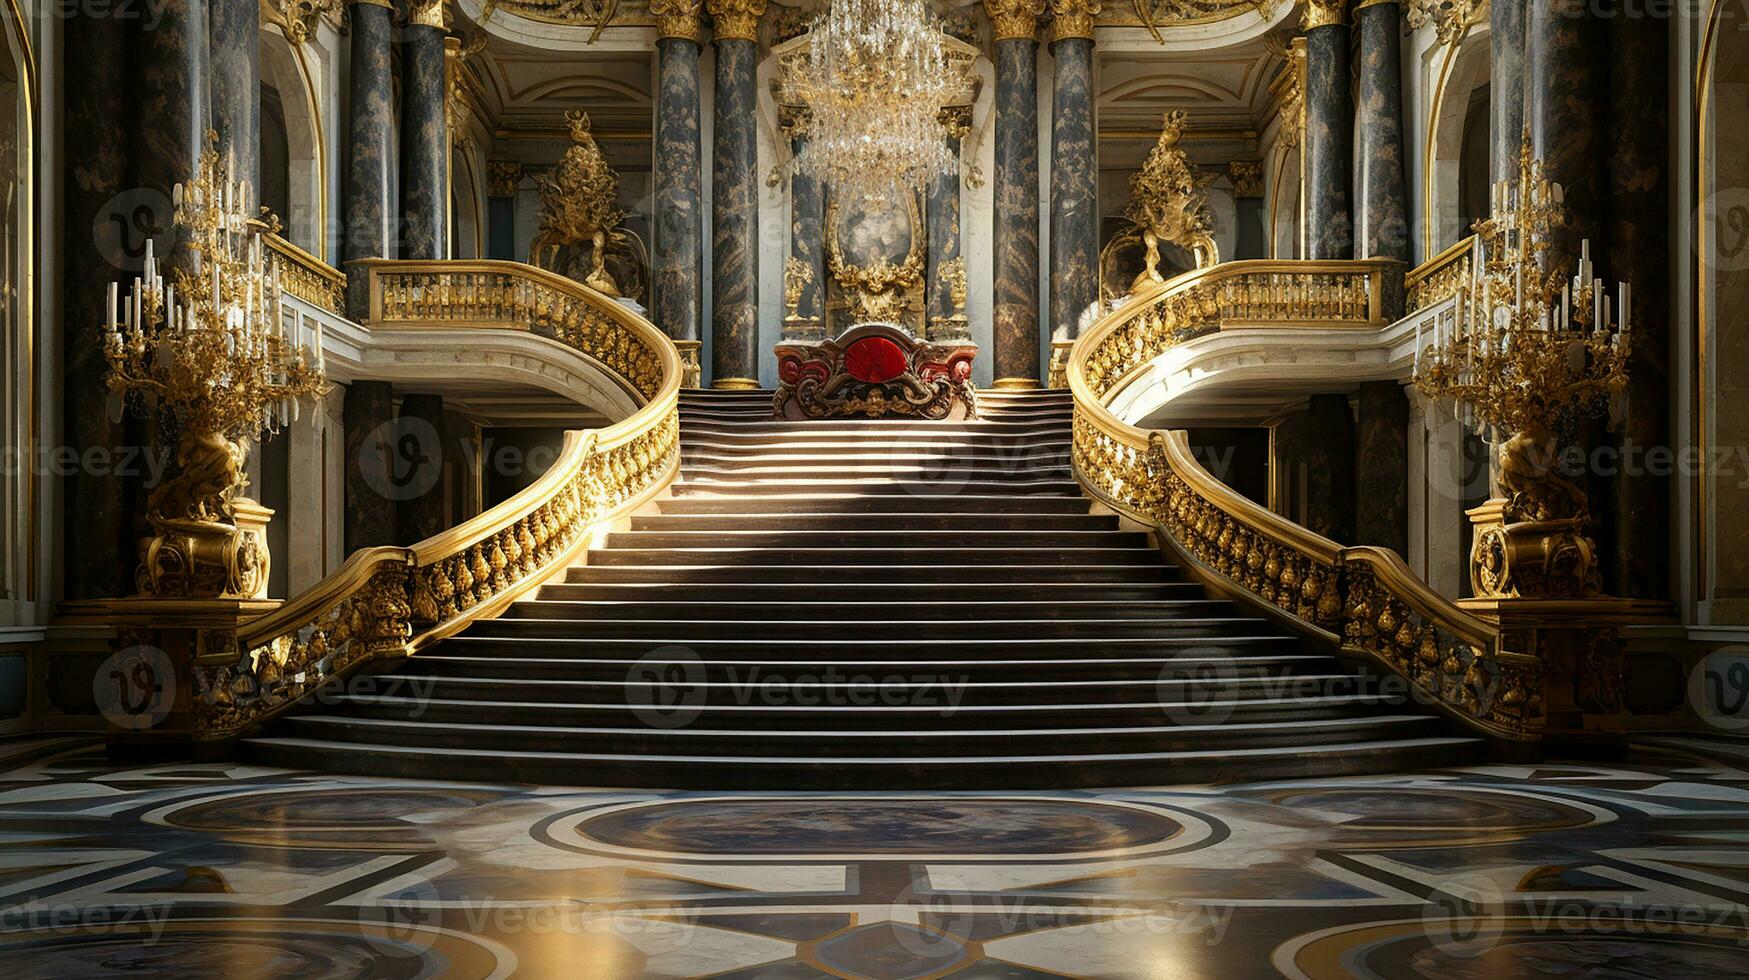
736	20
1074	18
735	384
1014	20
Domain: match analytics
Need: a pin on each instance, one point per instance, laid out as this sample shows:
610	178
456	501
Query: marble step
1247	639
895	557
894	592
852	503
794	521
1011	770
877	486
782	574
869	539
566	619
557	602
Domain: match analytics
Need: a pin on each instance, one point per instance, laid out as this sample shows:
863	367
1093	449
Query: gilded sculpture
579	202
1169	202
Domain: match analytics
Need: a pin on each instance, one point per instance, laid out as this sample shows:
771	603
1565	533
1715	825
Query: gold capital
1074	18
1015	19
677	18
736	20
428	13
1325	13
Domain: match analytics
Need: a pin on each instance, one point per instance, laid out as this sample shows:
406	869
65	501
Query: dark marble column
236	85
1638	252
366	207
679	247
1074	170
423	510
735	197
1330	493
1381	465
944	217
175	100
1383	212
1566	64
807	224
424	136
1329	122
1015	244
367	416
1505	88
99	512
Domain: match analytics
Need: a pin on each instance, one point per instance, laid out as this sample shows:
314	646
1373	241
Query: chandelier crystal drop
874	80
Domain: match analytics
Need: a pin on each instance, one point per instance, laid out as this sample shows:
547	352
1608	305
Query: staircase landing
881	603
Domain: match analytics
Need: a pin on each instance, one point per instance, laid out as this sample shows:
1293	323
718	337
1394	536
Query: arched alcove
285	82
1460	78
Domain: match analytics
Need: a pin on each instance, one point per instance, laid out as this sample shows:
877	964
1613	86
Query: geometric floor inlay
1631	868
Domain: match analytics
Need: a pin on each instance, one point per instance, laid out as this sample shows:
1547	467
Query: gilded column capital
678	18
1074	18
736	20
428	13
1325	13
1015	20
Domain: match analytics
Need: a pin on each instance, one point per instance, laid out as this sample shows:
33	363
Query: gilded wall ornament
736	20
1292	112
1247	178
300	18
1014	19
1169	200
1451	19
1074	18
428	13
579	202
1155	15
678	18
503	176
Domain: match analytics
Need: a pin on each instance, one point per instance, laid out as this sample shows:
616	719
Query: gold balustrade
1252	293
307	277
1366	600
388	603
1439	277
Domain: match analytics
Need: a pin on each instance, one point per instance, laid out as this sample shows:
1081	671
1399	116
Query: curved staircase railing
1366	600
387	603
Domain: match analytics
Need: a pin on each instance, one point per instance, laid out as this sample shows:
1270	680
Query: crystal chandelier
874	79
209	352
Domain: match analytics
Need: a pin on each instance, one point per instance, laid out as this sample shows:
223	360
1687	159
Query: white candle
1626	318
110	323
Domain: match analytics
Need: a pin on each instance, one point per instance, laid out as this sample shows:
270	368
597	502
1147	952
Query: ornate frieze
1014	19
1157	15
1247	178
736	20
502	176
1074	18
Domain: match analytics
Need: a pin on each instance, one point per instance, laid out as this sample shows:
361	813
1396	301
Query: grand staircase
868	604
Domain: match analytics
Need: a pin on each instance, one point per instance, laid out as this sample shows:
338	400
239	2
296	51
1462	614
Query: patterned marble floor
1636	868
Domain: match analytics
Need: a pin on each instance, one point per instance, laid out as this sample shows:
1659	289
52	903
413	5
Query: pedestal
147	690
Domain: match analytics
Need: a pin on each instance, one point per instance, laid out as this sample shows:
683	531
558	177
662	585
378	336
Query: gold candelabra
1527	355
209	351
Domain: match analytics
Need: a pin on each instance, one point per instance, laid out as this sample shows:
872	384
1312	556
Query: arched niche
18	328
287	75
1459	75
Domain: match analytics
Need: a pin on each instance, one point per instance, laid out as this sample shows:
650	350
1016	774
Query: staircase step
877	486
962	522
871	673
553	602
896	592
955	574
847	503
1237	642
877	539
1001	769
875	556
550	619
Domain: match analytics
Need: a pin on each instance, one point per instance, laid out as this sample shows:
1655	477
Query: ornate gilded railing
1365	599
307	277
1439	277
1253	293
385	603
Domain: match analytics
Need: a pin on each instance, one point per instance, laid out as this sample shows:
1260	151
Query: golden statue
579	202
1169	202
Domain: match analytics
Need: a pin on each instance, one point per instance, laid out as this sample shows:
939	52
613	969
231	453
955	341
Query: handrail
1249	293
1366	600
385	603
1440	276
307	277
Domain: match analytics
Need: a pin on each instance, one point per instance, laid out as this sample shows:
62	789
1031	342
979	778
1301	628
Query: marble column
735	196
1381	466
235	32
98	512
1505	88
1383	206
1565	71
807	223
1329	454
367	417
679	246
424	510
1015	240
944	219
1638	252
1329	121
1074	170
366	207
424	135
175	100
